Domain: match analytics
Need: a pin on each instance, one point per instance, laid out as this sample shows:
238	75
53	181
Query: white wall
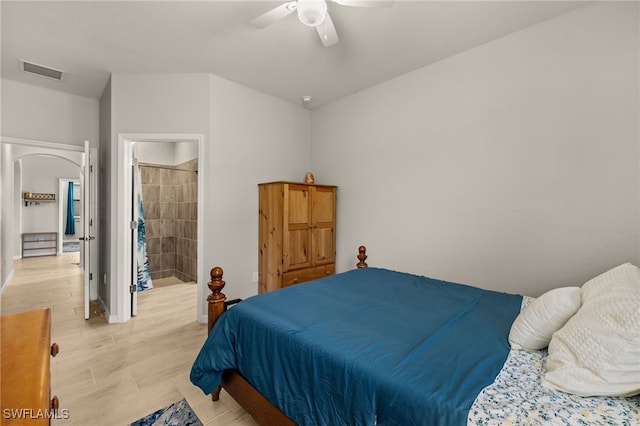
254	138
512	166
31	112
6	214
168	153
17	208
156	152
185	151
104	199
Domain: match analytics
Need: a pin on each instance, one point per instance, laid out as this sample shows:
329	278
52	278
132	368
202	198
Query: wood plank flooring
113	374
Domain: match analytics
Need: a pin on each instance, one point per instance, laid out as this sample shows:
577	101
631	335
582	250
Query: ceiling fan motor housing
312	12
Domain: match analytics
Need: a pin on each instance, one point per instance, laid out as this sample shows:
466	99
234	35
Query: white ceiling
91	39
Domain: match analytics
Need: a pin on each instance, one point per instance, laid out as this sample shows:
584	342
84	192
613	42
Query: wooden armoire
296	233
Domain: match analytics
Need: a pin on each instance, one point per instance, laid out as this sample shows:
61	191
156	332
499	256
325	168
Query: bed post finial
362	256
216	299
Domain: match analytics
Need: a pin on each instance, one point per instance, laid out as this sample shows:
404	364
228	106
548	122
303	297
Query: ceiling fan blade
365	3
273	15
327	32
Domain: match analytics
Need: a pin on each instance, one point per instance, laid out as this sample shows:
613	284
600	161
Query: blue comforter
368	346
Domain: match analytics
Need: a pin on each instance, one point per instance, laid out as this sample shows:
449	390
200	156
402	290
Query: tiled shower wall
170	200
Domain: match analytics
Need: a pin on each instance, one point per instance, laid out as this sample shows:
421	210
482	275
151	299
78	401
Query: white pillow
597	352
533	328
600	285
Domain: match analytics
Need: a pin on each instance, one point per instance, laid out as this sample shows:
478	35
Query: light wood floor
113	374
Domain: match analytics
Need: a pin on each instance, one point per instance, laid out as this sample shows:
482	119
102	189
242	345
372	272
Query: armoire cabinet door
323	225
298	227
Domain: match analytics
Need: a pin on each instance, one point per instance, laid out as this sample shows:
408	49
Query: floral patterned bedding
517	398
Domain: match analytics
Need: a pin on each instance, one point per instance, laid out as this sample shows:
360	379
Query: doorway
69	212
169	186
31	194
184	262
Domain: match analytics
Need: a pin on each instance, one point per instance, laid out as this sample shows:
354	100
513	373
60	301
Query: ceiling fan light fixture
312	12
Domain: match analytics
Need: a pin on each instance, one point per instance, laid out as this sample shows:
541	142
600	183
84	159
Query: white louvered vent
41	70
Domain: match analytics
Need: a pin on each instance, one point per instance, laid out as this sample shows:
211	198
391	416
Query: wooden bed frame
249	398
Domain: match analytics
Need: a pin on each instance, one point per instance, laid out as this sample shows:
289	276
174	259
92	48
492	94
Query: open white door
134	235
86	183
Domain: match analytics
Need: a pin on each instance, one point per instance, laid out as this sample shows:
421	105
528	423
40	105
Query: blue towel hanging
71	223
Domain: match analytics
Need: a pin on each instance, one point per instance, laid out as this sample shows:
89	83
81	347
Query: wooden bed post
216	307
216	299
362	256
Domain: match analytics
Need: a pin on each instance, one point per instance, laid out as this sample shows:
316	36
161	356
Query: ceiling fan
313	13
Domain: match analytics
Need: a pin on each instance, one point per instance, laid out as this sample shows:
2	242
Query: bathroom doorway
127	238
169	185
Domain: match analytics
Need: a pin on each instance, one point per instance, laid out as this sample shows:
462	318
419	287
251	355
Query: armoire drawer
307	274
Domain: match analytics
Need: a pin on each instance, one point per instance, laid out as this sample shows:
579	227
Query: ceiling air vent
41	70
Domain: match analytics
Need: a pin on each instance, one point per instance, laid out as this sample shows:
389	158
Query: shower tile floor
163	282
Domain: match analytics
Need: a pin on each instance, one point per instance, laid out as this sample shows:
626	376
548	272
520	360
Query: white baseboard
4	284
107	314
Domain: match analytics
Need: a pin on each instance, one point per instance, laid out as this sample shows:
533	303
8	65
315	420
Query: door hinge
132	288
133	224
90	276
90	168
90	222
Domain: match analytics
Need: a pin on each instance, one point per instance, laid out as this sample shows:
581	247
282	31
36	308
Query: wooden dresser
26	347
296	233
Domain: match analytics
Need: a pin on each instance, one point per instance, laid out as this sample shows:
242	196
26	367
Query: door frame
71	153
123	238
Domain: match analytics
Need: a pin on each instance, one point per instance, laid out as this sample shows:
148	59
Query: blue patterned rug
177	414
